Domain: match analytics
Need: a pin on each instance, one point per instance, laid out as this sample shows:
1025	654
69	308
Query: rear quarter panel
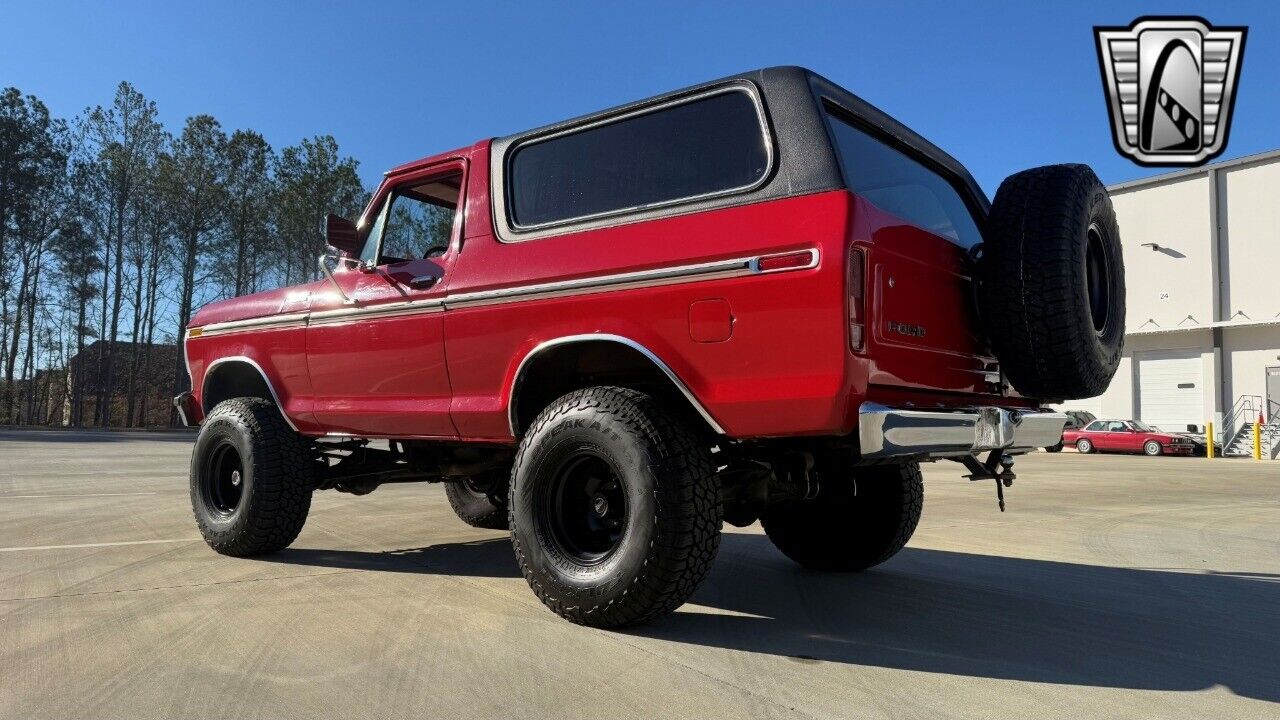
783	371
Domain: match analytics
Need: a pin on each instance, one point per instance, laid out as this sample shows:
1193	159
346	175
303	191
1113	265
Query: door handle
423	282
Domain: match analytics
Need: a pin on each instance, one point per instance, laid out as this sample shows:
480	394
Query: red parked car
1127	436
759	298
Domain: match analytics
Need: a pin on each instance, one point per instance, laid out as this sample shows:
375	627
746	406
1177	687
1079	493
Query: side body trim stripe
735	267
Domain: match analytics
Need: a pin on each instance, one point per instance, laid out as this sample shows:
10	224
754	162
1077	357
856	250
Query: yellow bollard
1257	439
1208	437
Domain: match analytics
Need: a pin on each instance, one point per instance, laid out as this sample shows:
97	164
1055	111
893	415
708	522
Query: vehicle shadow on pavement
947	612
479	558
995	617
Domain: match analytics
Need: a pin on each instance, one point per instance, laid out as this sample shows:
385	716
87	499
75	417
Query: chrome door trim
269	322
669	275
383	310
607	337
602	283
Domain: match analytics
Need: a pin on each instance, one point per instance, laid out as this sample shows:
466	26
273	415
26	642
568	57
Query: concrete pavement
1114	587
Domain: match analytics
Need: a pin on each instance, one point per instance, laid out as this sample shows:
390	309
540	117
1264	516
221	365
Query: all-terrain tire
860	518
1051	291
482	501
660	477
251	478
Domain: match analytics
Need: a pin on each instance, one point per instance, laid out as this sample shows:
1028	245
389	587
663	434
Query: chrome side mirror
324	268
342	235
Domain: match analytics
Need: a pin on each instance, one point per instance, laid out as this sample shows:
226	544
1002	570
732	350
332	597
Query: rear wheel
859	519
1151	447
1084	446
1055	448
251	478
615	508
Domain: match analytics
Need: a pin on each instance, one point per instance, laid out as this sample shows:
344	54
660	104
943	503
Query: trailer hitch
998	466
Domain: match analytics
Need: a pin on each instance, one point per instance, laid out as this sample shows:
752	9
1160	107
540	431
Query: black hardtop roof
793	98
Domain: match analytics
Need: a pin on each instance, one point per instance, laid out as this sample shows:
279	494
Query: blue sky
1002	86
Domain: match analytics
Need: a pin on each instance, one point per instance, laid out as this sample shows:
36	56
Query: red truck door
377	364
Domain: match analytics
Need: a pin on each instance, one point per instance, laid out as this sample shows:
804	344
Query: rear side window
711	145
901	185
1096	426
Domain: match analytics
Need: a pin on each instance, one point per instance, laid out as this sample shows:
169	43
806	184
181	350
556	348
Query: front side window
901	185
418	223
707	146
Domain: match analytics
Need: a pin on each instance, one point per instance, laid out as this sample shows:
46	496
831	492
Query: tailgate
925	332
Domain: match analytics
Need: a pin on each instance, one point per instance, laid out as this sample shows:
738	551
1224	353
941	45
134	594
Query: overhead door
1170	395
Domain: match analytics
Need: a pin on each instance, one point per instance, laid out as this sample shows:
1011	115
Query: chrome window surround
507	231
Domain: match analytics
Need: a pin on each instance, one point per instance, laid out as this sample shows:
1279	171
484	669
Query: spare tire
1051	290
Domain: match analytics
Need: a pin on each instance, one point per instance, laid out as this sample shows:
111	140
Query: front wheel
1151	447
251	479
860	518
1084	446
615	508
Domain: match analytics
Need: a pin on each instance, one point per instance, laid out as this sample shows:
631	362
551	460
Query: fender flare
658	362
244	360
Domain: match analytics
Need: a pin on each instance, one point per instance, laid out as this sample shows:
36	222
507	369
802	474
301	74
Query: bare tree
312	180
125	138
33	156
110	229
249	200
78	261
194	178
149	235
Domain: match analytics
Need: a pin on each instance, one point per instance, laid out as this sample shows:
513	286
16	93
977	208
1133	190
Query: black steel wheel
585	509
251	478
222	481
615	508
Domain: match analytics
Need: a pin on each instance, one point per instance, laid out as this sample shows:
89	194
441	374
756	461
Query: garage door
1170	395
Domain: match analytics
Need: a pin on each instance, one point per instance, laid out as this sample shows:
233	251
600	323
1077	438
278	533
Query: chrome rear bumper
886	432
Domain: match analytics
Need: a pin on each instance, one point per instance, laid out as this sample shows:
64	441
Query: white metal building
1202	264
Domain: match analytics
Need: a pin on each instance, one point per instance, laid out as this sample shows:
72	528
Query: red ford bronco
759	298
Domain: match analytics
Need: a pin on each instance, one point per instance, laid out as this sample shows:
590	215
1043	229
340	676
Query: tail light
857	298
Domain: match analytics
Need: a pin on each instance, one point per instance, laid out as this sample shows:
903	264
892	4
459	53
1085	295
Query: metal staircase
1238	425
